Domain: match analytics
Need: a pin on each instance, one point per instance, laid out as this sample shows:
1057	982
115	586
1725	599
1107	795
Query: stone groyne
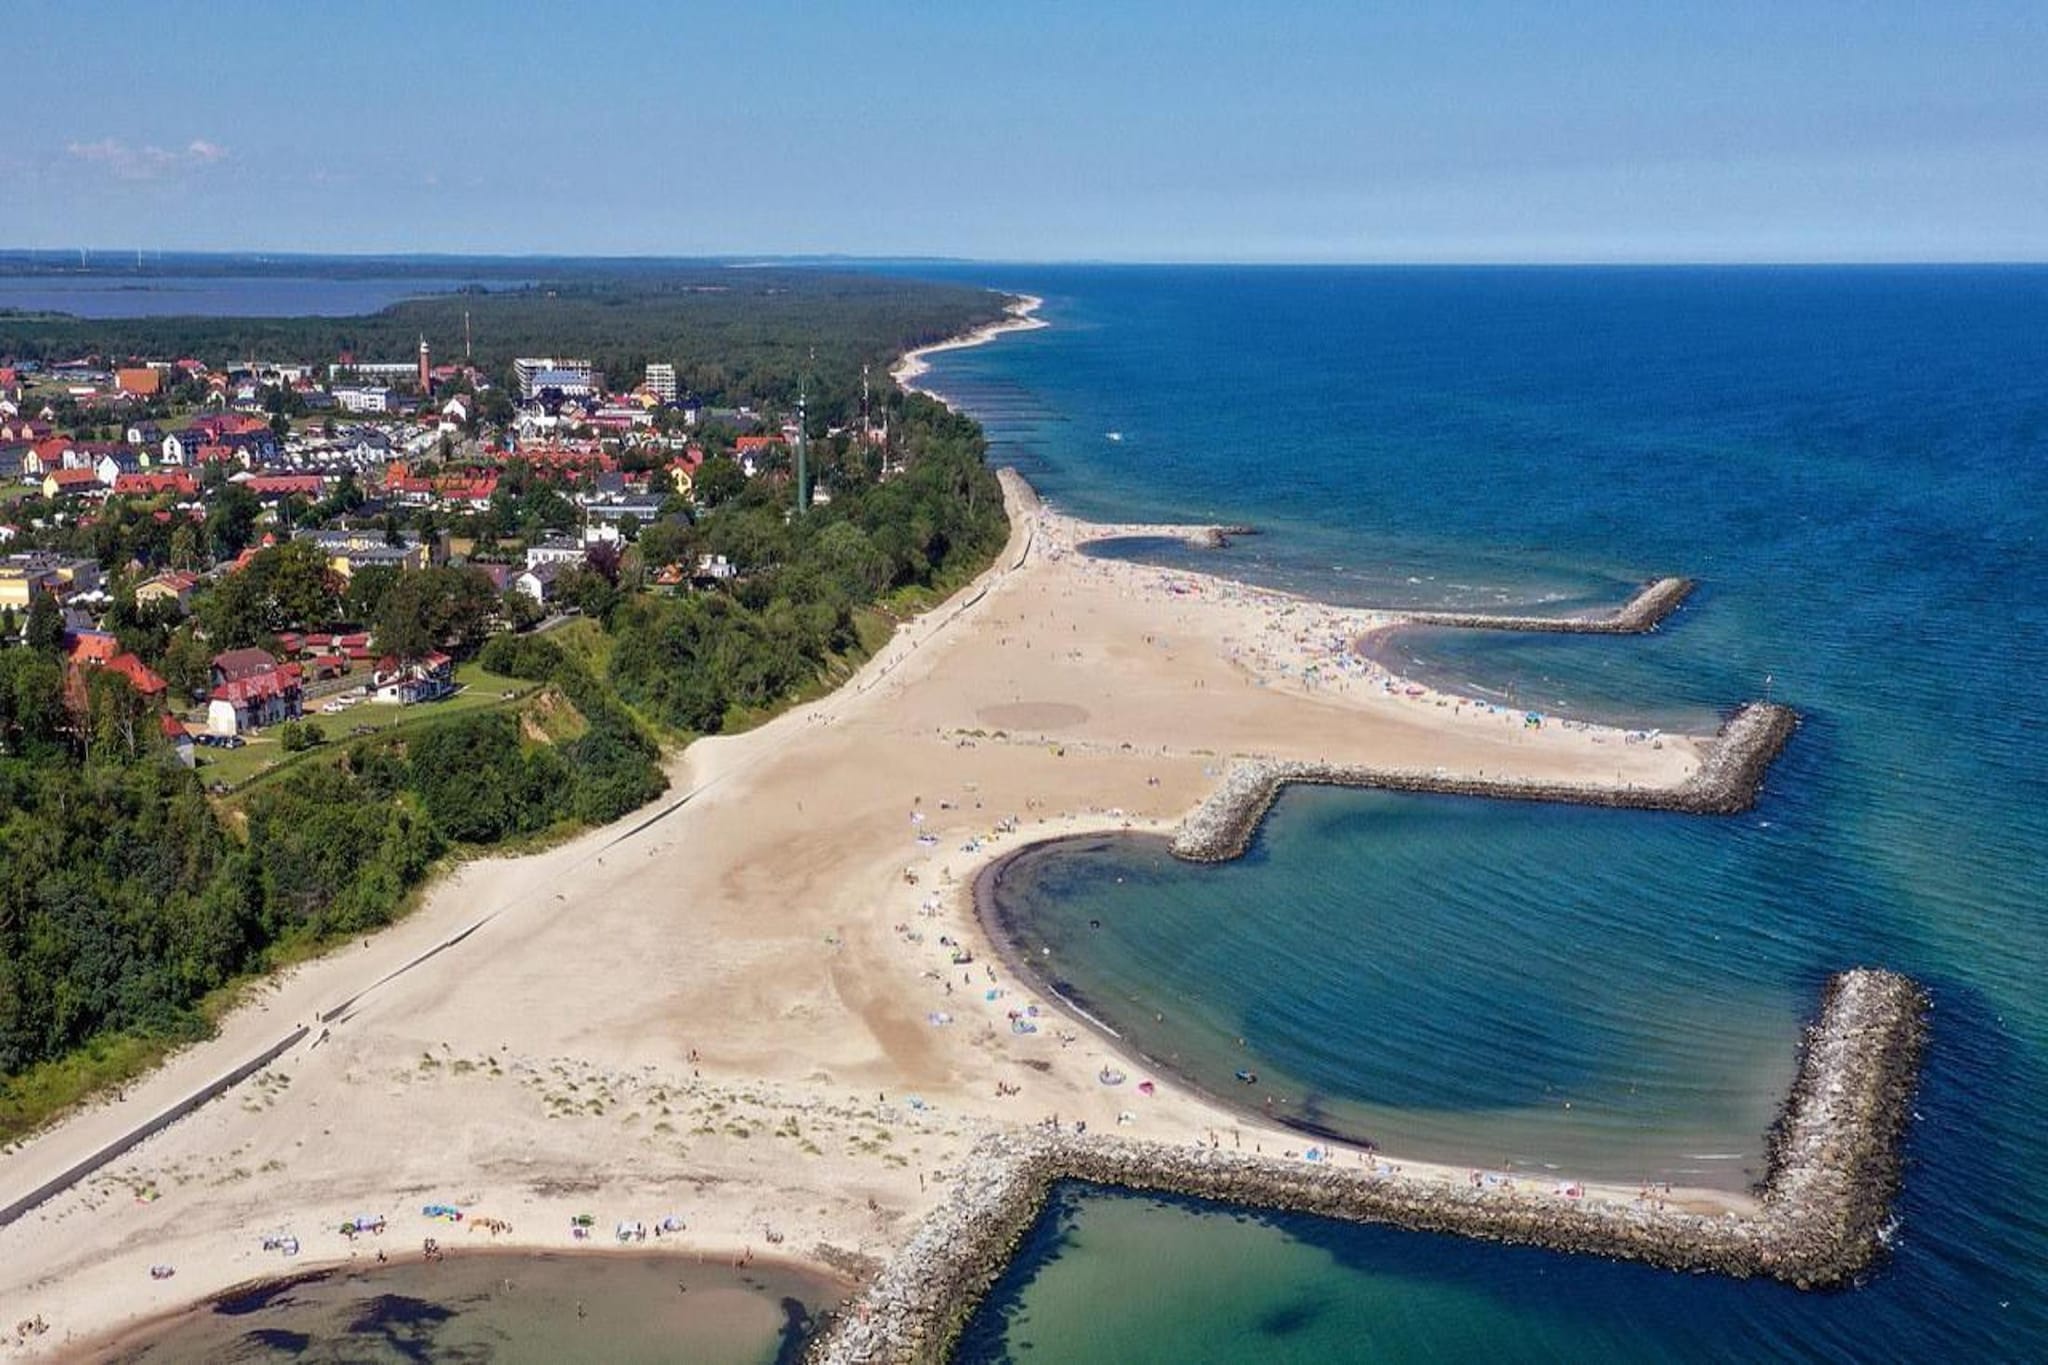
1726	781
1834	1170
1653	602
1209	537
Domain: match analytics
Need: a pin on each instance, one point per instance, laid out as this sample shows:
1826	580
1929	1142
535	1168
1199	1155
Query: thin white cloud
147	162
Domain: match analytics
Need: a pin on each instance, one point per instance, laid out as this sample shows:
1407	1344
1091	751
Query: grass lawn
263	755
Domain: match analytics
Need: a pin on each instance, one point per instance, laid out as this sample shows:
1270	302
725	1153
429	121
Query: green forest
733	334
128	895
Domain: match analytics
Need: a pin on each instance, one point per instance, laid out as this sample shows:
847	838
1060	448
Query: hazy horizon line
755	258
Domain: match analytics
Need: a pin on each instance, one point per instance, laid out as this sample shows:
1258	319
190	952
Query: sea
1853	462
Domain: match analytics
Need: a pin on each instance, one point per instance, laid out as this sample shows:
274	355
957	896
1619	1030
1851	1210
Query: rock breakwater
1834	1170
1726	781
1652	602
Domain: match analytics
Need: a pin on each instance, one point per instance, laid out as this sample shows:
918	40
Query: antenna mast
803	440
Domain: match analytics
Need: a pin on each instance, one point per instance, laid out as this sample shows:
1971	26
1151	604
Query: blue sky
1036	130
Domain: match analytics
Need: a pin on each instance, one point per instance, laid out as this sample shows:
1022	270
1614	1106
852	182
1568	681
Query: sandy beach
747	1014
1023	317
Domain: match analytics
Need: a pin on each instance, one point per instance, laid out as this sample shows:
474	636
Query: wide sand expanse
740	1014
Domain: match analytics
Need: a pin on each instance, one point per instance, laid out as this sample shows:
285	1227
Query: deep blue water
1854	462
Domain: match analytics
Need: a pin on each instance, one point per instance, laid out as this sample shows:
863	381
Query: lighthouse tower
426	369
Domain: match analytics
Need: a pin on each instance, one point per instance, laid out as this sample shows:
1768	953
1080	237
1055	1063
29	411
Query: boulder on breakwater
1643	612
1727	780
1834	1170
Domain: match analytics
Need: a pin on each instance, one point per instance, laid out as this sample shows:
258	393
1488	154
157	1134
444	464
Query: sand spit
1653	602
1726	781
1835	1169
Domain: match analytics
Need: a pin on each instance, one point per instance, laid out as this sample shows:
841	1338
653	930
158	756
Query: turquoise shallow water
505	1308
1855	464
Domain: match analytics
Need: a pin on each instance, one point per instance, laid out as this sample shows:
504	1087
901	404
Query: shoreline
735	1009
1247	793
996	930
1822	1224
1023	317
834	1285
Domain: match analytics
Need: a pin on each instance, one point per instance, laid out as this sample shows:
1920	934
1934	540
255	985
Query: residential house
180	483
501	575
413	680
555	550
179	738
271	487
365	399
97	649
646	511
348	550
538	582
172	585
62	483
144	679
112	464
143	382
24	577
46	457
235	664
254	699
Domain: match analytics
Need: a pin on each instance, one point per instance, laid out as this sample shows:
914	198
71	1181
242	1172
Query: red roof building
179	482
255	699
285	485
93	648
66	482
144	679
97	649
234	665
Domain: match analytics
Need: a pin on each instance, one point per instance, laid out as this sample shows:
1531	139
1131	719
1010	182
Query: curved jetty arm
1726	782
1834	1170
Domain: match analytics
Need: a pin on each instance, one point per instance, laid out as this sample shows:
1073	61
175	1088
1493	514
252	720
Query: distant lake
277	296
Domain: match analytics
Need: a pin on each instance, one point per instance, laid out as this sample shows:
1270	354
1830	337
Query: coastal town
135	491
247	573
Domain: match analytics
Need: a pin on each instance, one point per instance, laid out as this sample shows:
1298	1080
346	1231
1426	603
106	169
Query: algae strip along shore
1835	1167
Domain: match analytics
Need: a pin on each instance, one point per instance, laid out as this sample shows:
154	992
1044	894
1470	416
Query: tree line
127	897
